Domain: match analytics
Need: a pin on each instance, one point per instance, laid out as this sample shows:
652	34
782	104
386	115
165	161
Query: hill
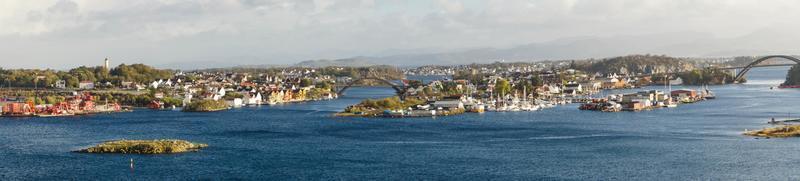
348	62
635	64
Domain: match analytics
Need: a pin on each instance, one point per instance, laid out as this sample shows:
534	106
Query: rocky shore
164	146
779	132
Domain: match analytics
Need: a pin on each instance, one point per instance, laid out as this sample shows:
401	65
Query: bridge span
400	89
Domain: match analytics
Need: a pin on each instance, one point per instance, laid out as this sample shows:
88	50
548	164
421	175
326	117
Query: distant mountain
678	44
681	44
348	62
212	65
195	65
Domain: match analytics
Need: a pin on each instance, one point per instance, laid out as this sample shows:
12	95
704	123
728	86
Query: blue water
699	141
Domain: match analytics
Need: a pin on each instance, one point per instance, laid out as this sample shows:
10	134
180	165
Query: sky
68	33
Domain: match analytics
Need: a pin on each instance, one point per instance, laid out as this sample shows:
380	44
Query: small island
394	107
779	132
792	78
163	146
206	106
707	76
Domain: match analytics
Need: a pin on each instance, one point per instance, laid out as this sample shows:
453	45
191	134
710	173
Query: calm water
303	142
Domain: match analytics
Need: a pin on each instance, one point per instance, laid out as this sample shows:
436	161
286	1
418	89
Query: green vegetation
305	82
232	96
780	132
451	88
206	106
707	76
502	87
317	93
138	73
144	147
470	75
171	101
324	85
389	103
635	64
793	77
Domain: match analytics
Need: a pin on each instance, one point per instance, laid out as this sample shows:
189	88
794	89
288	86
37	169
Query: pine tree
793	77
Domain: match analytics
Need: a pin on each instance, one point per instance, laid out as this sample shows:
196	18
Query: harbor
256	139
647	100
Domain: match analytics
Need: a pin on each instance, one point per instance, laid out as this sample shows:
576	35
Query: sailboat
708	94
670	103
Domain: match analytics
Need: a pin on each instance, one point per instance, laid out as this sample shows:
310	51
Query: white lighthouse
106	65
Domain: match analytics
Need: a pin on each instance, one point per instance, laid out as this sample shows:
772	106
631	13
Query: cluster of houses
447	106
241	89
643	100
78	104
556	87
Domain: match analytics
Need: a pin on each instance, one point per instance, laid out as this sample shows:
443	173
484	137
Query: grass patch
163	146
780	132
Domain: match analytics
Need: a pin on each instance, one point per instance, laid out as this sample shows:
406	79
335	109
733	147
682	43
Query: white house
86	85
60	84
253	99
449	104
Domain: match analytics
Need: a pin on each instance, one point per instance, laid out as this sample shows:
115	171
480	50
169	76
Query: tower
106	65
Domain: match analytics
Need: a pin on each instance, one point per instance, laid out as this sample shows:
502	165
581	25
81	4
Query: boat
708	94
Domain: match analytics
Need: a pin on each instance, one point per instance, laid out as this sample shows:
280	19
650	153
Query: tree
415	83
305	82
793	77
523	85
502	87
537	81
324	85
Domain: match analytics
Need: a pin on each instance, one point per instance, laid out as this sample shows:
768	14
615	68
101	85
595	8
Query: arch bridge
755	63
399	89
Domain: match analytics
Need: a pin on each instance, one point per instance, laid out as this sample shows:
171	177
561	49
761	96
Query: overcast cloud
68	33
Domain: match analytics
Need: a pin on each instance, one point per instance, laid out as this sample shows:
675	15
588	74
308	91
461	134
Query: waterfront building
252	99
448	104
612	83
684	94
573	87
590	86
86	85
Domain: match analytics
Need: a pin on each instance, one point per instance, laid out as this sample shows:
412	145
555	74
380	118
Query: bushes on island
389	103
707	76
780	132
206	106
793	77
144	147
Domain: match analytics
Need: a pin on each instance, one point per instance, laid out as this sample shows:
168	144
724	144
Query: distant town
420	91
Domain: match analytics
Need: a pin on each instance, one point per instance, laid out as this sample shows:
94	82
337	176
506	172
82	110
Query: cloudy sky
68	33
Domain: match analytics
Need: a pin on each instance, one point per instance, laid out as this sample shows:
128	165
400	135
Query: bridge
744	69
755	63
754	66
399	89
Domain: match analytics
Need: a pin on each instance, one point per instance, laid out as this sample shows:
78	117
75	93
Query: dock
784	121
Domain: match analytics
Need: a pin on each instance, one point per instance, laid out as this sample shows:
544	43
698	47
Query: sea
303	141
